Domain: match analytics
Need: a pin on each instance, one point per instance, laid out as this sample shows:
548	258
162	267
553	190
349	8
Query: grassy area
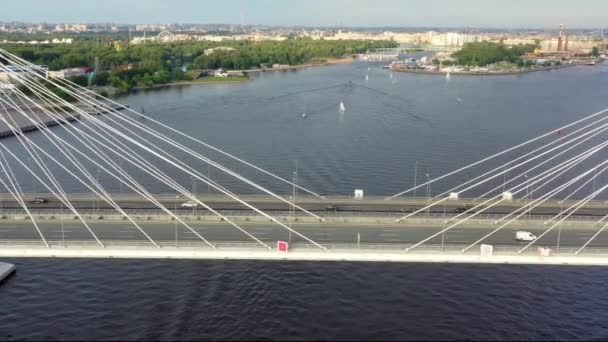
221	79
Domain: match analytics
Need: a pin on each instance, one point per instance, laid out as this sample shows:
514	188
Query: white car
190	204
524	236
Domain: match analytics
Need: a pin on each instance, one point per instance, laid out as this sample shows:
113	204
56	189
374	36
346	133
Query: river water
390	123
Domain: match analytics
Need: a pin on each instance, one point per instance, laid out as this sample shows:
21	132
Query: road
329	204
324	234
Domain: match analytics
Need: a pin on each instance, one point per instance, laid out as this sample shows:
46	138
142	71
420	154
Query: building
7	76
208	52
71	28
71	72
124	67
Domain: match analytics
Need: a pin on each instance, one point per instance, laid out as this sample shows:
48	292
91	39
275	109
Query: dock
6	270
25	125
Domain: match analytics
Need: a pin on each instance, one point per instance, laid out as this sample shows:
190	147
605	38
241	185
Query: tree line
162	63
484	53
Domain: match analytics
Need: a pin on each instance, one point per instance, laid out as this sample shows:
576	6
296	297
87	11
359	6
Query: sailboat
304	115
366	77
391	76
447	76
342	108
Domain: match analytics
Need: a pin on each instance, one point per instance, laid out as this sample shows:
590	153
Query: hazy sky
437	13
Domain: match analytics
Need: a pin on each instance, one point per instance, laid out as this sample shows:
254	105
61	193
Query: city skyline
316	13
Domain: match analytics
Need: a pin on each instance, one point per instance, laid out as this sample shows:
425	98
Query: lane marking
457	236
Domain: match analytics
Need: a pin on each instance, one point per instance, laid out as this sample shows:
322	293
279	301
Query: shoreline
179	83
303	66
247	71
485	73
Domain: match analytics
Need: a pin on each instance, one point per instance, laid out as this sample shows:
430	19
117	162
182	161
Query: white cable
17	195
548	173
86	91
36	158
86	115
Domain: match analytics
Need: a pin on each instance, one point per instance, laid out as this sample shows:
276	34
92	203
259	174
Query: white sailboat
447	76
342	108
391	75
366	77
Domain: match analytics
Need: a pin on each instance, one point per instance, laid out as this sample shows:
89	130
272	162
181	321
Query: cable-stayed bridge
550	186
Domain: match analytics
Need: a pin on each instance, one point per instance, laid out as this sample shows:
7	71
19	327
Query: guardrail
303	199
200	214
301	247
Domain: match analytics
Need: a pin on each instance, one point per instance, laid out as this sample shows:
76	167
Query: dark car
463	209
40	200
331	208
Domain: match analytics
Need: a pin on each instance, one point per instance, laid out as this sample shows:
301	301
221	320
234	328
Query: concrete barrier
299	255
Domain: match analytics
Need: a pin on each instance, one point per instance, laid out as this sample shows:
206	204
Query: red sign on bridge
282	246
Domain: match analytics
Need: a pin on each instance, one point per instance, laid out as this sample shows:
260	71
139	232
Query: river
390	123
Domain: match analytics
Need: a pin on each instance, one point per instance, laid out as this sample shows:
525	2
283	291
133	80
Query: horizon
358	14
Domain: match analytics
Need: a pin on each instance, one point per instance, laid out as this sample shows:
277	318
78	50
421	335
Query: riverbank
223	80
332	61
484	73
209	80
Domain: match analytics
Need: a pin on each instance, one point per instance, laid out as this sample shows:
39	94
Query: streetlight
175	210
208	179
61	218
120	180
293	198
428	195
559	226
95	206
194	193
504	179
415	177
594	178
527	188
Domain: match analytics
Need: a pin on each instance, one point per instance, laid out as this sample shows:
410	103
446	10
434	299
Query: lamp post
428	194
559	226
61	219
120	180
415	177
293	198
527	188
194	194
96	206
175	210
504	179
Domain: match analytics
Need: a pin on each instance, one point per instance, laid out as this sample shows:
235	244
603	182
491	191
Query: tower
559	38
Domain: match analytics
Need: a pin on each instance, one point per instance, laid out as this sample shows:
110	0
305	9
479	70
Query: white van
189	204
524	236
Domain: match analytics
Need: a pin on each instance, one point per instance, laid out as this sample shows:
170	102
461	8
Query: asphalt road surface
270	233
